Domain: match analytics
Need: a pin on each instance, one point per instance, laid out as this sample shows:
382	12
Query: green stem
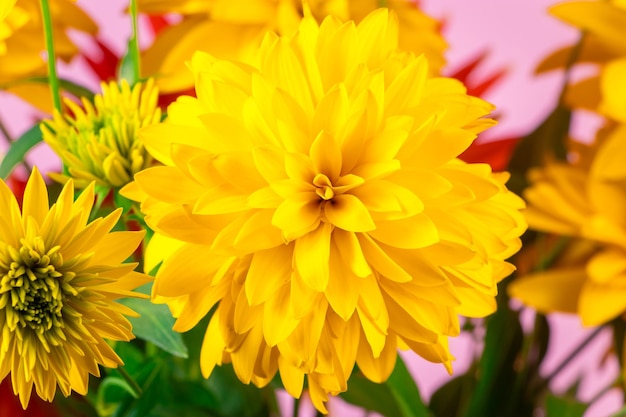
549	259
134	385
572	355
134	42
53	79
296	407
5	133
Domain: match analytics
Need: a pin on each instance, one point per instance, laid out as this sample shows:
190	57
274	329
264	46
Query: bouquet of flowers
275	207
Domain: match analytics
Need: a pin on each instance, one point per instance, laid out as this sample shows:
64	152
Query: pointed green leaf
18	150
155	325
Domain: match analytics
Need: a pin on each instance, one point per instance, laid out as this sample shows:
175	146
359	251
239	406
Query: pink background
516	34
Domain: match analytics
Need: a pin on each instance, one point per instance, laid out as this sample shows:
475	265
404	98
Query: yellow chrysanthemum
59	278
5	29
99	141
586	201
234	30
22	46
317	198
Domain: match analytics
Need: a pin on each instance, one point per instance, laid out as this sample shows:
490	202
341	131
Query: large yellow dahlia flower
319	201
59	278
233	29
586	201
22	45
99	141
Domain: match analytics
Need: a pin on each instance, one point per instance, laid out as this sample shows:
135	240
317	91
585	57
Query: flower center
323	187
32	290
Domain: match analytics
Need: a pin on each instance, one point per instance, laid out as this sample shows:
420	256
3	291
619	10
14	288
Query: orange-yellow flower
603	45
22	45
315	194
234	29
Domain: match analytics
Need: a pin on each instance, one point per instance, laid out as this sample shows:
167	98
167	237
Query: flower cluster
305	207
583	198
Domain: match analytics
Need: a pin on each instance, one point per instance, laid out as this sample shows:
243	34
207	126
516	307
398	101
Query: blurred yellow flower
603	44
233	29
586	201
317	198
99	141
5	8
22	46
59	278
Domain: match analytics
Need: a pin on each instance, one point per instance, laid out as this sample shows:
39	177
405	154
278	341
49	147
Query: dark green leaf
564	407
155	325
405	391
496	375
235	398
371	396
451	399
18	150
398	396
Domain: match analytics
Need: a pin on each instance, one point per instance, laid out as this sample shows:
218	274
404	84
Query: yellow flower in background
99	142
59	278
22	46
6	7
603	44
5	28
234	29
315	194
587	202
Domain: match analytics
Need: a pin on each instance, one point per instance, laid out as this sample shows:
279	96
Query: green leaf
397	397
405	391
235	398
19	149
114	381
121	201
460	389
496	374
371	396
564	407
155	325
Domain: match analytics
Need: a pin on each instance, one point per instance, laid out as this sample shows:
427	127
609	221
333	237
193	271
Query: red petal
496	153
